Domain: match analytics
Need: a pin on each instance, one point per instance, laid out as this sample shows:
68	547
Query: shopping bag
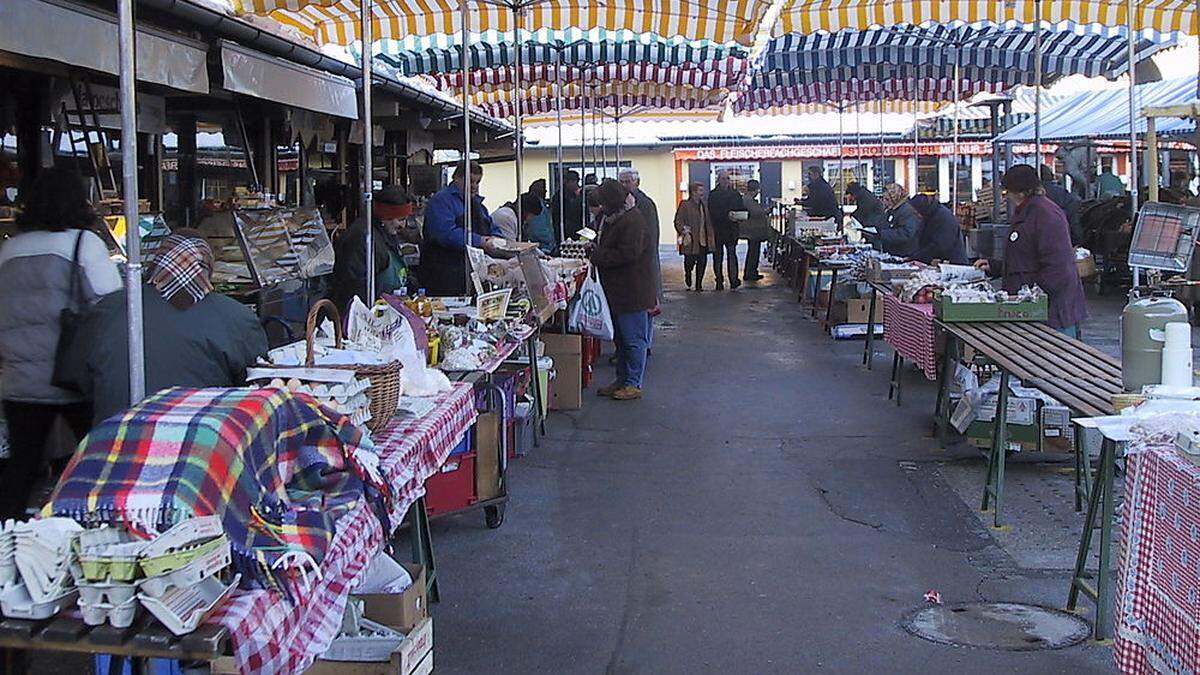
590	314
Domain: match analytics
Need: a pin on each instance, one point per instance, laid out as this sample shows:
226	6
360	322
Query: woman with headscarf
193	337
867	207
1039	250
900	226
941	236
624	256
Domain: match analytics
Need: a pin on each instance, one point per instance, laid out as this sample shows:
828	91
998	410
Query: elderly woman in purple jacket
1039	250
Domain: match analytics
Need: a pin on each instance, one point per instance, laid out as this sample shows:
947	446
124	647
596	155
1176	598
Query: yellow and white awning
809	16
336	21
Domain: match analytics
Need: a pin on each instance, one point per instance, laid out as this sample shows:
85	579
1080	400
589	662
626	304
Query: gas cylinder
1143	324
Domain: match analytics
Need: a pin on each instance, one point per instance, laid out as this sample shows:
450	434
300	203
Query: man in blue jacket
443	252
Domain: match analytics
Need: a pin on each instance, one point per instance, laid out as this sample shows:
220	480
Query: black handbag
69	320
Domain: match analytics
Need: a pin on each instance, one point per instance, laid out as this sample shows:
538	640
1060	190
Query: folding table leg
538	419
422	546
994	487
869	349
1100	505
895	369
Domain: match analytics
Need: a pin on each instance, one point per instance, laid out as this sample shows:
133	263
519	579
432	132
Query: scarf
182	264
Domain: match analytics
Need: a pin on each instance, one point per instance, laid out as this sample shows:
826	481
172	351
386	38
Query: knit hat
1021	178
893	195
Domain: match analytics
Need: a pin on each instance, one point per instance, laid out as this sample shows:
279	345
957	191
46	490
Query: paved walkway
763	509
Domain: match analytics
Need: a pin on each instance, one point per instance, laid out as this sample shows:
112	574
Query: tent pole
916	187
841	155
1134	186
366	9
129	190
957	120
558	105
858	140
519	124
1037	88
882	148
617	136
583	211
469	175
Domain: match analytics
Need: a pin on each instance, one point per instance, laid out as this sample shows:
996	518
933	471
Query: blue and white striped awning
1105	114
934	49
581	52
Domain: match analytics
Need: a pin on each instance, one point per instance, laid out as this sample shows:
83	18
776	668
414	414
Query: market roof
808	16
1105	114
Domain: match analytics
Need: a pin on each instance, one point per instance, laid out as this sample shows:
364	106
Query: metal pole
558	105
841	199
1134	187
916	140
858	140
366	9
882	149
129	190
617	135
583	211
466	104
1037	88
520	133
957	119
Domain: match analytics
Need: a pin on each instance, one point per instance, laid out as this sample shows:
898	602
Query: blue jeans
630	332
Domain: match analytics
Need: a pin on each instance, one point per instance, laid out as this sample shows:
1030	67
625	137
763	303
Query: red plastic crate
453	487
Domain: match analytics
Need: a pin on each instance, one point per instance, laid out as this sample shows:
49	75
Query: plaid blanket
276	467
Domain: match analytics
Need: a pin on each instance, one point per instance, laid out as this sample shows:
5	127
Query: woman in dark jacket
868	208
624	257
941	237
1039	251
900	226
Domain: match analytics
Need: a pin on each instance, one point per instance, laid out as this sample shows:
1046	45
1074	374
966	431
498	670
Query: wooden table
145	639
1080	377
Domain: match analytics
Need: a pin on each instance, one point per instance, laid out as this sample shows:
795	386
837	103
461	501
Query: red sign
830	150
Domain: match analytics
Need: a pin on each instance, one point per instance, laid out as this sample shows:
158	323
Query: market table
1077	375
909	328
263	630
1158	581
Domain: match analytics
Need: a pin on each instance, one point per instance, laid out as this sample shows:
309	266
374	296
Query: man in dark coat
721	201
1068	202
756	230
900	226
820	202
391	205
624	256
631	180
941	236
868	208
1039	251
571	219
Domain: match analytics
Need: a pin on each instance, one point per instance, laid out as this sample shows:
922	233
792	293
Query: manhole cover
997	625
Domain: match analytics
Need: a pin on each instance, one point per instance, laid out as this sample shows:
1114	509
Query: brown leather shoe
627	393
609	390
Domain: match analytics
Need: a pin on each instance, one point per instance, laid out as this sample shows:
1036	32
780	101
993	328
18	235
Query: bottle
424	305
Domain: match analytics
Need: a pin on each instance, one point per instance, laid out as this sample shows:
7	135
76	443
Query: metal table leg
994	486
802	275
869	349
538	420
1083	470
422	546
1100	505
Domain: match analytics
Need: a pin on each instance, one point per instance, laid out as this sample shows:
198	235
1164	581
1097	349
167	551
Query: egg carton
8	554
17	603
203	562
186	534
120	616
182	608
108	592
374	642
117	561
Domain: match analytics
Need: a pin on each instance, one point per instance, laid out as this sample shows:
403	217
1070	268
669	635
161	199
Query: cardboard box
410	658
487	456
567	352
401	611
858	310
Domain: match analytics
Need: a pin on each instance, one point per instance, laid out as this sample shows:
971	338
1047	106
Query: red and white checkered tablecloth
1158	565
908	328
272	635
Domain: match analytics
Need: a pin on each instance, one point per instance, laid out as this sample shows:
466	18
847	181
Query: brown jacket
625	258
694	228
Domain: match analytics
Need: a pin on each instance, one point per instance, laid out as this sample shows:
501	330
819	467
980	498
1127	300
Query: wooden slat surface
1076	374
145	639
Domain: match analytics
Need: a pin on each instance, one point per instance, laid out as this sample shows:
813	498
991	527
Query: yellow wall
656	167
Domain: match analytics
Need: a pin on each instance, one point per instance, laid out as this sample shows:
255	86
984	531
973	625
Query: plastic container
452	488
16	603
1143	333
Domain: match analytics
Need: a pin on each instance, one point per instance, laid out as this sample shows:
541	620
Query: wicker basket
384	391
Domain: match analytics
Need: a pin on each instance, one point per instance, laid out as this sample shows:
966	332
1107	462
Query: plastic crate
465	444
963	312
453	487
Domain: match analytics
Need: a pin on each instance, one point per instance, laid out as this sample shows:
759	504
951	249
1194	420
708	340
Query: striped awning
541	99
809	16
1002	53
578	53
725	74
891	106
336	21
852	93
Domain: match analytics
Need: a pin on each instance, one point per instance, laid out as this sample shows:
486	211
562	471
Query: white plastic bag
590	315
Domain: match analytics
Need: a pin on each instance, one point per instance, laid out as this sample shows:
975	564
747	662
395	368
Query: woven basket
384	391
